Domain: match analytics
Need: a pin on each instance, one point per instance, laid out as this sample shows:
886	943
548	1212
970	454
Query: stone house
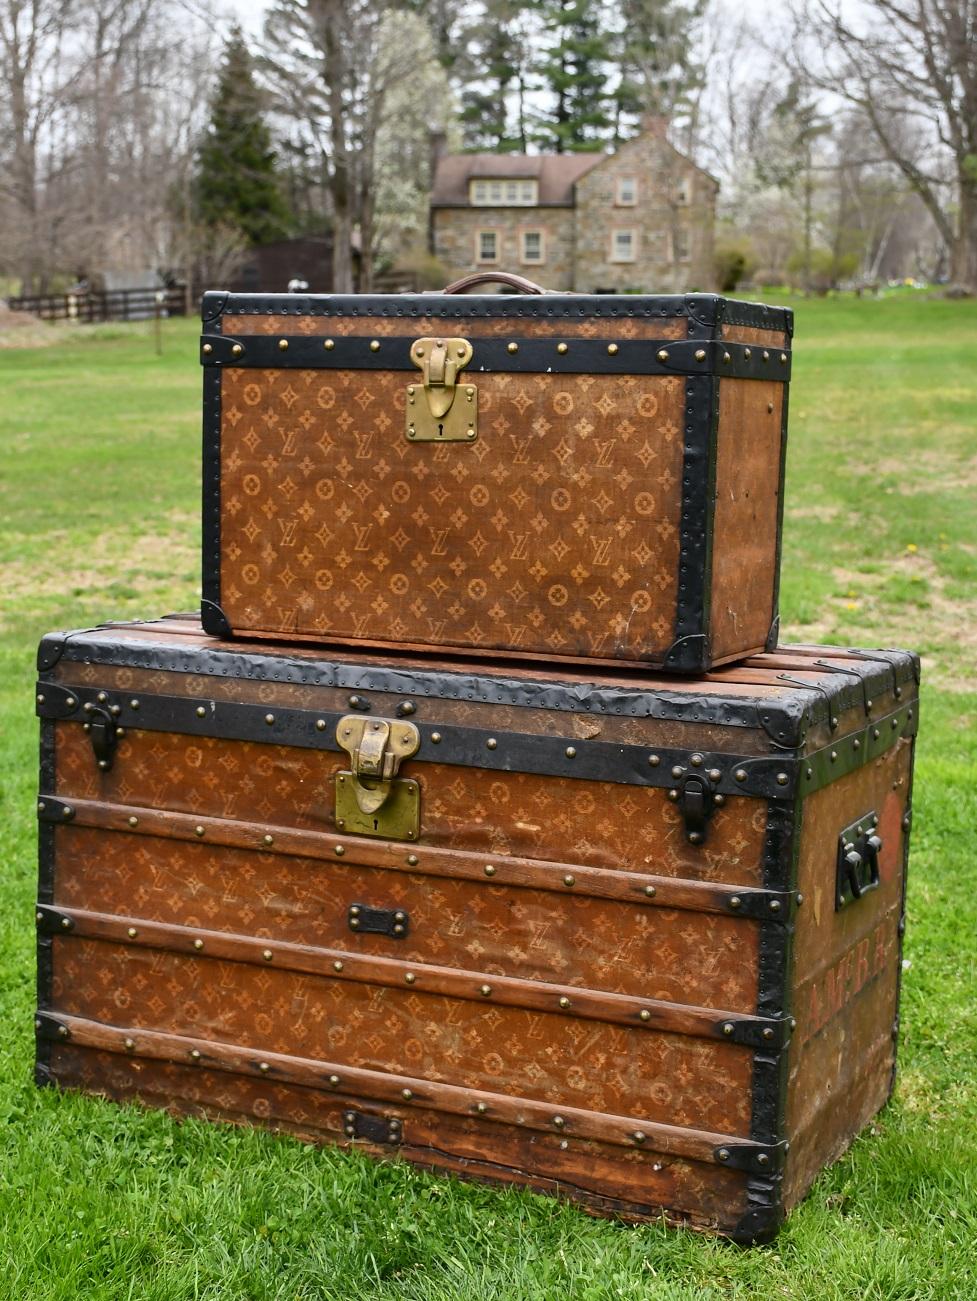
640	220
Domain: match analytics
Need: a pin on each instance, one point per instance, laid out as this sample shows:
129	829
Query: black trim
211	614
606	356
581	306
774	632
689	652
906	829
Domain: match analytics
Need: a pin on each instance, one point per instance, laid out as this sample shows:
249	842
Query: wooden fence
105	305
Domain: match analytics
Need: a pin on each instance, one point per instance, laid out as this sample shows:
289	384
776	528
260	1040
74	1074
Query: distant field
99	451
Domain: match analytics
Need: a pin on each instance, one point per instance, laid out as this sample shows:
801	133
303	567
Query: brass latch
370	799
442	411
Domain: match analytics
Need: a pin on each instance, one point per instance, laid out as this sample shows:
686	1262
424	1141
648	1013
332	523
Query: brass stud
102	697
740	774
71	702
559	1122
644	1014
201	712
856	744
654	760
678	770
329	344
263	1067
41	806
198	831
673	795
481	1108
638	1136
409	977
267	954
747	353
269	719
283	345
406	1094
436	738
650	891
337	965
208	348
696	761
67	811
736	902
571	751
133	704
728	1028
267	840
562	347
198	945
485	991
236	350
612	349
491	743
569	880
663	354
512	347
800	898
374	345
783	359
876	733
130	1045
766	355
769	408
767	1032
412	860
793	1023
334	1080
489	869
339	851
762	1159
194	1054
66	923
38	916
727	358
722	1154
834	756
320	724
355	910
132	932
782	779
700	354
564	1002
133	821
63	1031
40	698
714	774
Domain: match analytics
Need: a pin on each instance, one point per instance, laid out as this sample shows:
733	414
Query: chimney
654	124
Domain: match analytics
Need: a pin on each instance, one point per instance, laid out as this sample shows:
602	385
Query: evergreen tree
496	79
653	53
236	183
574	70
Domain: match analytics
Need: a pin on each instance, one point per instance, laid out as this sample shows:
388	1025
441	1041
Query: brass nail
328	344
766	355
333	1080
436	738
267	954
740	774
130	1045
512	347
561	347
700	354
663	354
736	902
571	751
481	1108
406	1094
283	345
132	932
782	779
201	712
650	891
133	704
612	349
727	358
66	923
569	880
263	1067
491	743
198	944
638	1136
728	1028
409	977
412	860
337	965
748	353
208	349
194	1055
236	350
485	991
340	850
198	831
320	724
564	1002
268	840
783	359
374	345
269	719
489	870
133	821
559	1122
645	1014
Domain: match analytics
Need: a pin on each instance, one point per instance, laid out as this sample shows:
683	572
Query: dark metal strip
393	973
607	356
212	618
774	632
45	893
584	308
589	760
671	1140
641	701
728	774
492	870
689	651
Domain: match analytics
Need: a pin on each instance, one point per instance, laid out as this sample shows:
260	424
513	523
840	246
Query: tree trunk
963	251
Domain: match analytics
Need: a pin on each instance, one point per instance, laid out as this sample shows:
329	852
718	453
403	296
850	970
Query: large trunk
541	930
585	477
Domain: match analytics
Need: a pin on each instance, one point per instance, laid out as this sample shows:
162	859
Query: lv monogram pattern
553	1058
600	824
555	532
696	958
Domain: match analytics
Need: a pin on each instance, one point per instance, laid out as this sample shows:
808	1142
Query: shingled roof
556	175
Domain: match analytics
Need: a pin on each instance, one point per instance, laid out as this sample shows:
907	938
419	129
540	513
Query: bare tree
910	67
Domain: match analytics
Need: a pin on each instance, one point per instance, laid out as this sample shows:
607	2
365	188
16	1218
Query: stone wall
672	222
455	232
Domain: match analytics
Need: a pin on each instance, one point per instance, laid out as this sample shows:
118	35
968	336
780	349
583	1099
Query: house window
627	191
532	247
487	246
681	246
683	191
502	193
624	246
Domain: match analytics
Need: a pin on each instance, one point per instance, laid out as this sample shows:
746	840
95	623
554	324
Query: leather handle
494	278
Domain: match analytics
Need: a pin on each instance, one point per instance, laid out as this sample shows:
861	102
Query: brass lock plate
371	800
443	408
397	818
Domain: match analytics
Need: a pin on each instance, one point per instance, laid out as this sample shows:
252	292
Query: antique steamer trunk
563	476
631	940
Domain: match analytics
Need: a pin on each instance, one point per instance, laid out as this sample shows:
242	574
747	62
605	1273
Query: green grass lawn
99	441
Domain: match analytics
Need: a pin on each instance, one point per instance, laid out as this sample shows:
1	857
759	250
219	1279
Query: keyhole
376	824
440	430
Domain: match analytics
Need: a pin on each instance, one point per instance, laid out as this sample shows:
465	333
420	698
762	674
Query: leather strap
523	285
